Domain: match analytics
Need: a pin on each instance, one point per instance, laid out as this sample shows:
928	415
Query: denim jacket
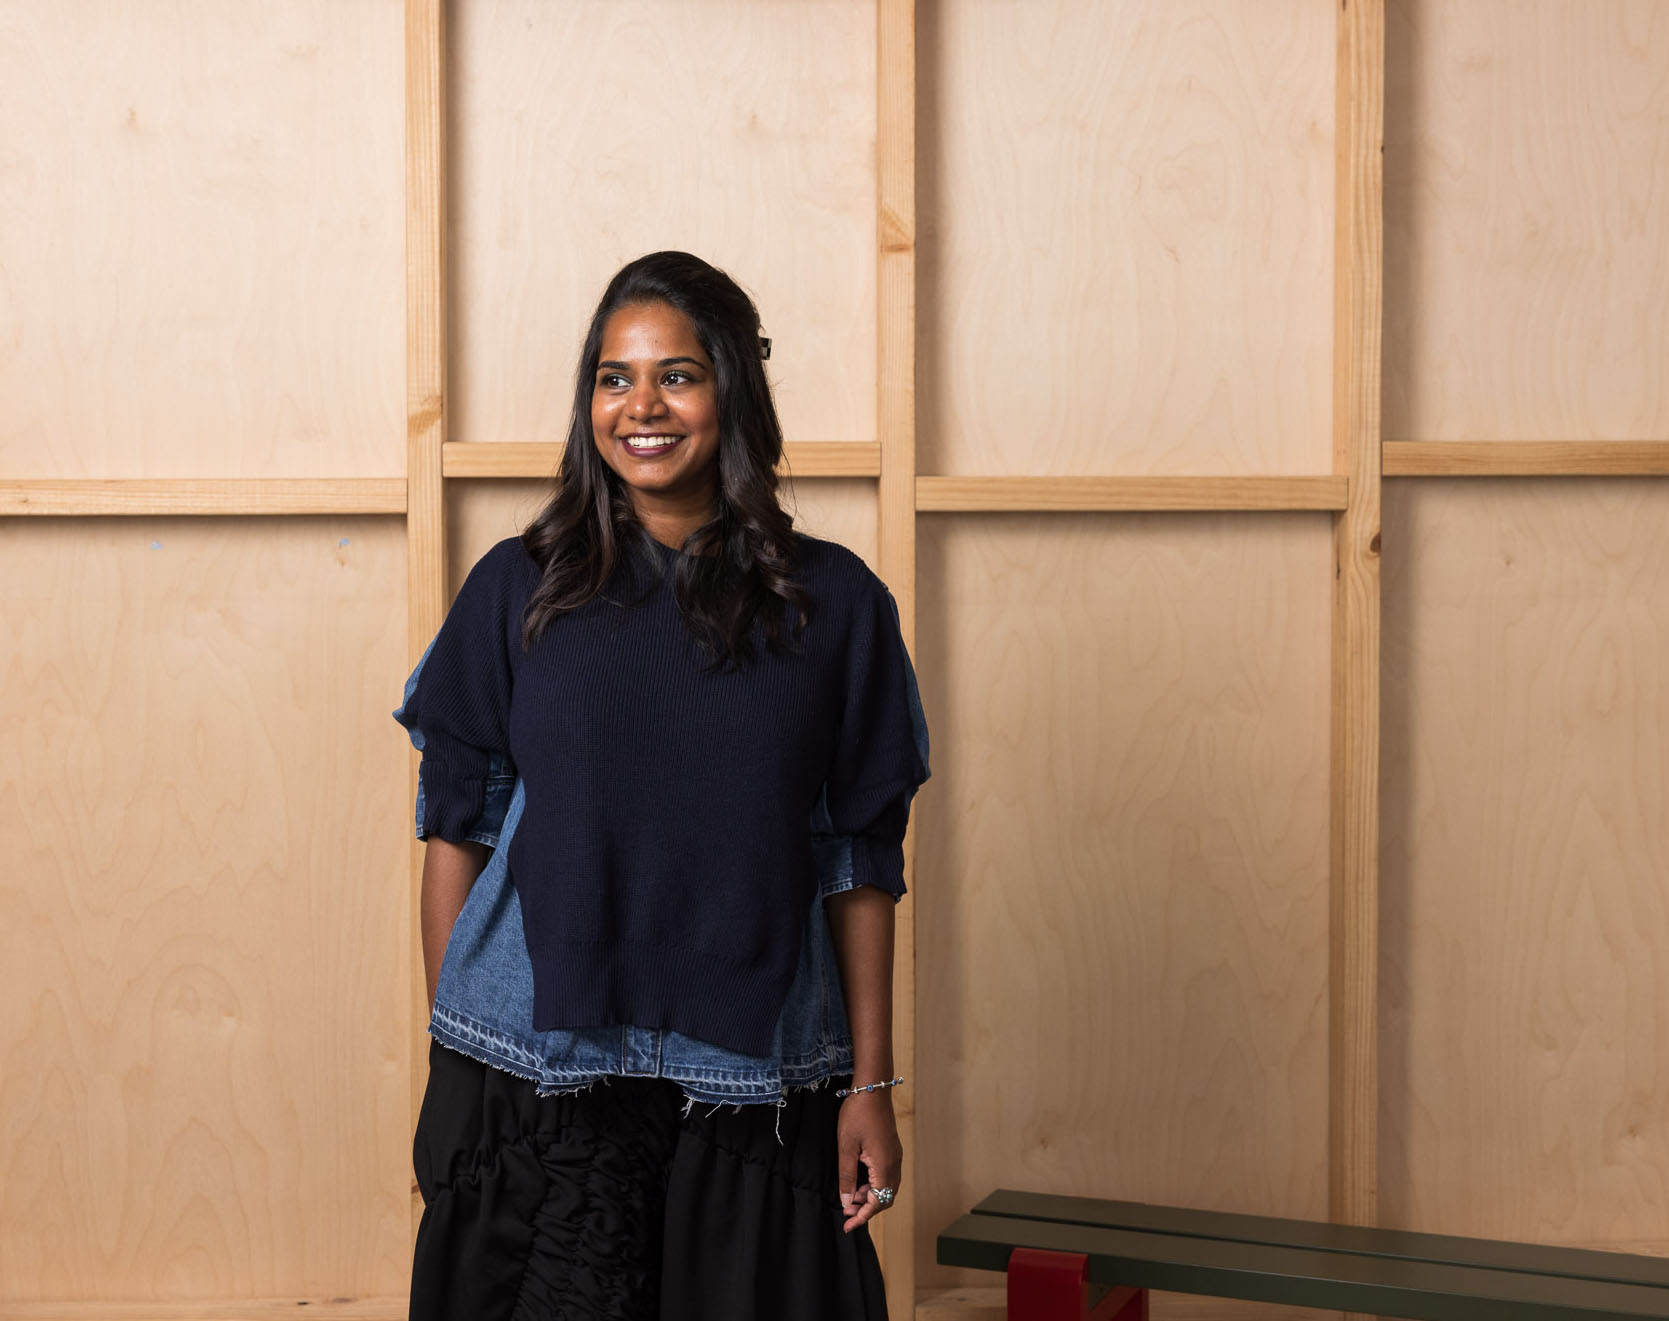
484	998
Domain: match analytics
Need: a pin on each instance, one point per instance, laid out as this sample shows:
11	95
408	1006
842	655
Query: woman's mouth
648	445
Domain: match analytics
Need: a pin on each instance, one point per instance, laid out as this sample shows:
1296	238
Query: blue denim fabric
484	998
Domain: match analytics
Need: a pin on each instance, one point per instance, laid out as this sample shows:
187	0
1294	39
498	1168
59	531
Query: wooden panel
203	1046
1122	875
191	495
202	270
752	146
1130	493
426	331
1353	972
838	511
426	416
1526	458
1127	245
480	513
1525	844
895	413
1527	220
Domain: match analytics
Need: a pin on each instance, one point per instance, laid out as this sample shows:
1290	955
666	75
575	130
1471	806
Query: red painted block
1054	1286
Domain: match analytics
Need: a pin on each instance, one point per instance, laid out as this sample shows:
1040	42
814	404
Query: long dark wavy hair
738	574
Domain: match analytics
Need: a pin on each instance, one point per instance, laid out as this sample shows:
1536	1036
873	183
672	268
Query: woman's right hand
867	1136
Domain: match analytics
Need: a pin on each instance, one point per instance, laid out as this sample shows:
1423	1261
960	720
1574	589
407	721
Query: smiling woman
713	732
682	371
655	418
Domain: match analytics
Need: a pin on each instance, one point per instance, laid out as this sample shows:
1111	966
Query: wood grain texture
199	268
757	156
1353	973
1122	876
479	514
843	511
1527	220
1526	458
94	496
1526	840
1132	494
538	458
426	418
203	1041
1126	249
895	425
426	321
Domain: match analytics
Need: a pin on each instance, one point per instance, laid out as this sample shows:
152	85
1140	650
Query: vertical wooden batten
1354	810
425	409
895	381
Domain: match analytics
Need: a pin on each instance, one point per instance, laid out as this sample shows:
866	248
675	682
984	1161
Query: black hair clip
764	347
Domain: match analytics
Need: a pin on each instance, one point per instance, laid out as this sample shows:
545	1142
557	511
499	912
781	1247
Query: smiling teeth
649	442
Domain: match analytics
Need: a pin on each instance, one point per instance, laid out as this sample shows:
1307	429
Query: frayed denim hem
464	1034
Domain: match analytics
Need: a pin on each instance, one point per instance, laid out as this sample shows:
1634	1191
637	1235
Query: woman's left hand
867	1136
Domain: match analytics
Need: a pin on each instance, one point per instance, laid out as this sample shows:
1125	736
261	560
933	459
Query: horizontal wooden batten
1132	494
1526	458
532	458
198	495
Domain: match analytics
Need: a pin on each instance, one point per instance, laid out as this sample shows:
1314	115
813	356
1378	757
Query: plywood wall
585	134
1127	268
1122	871
1525	834
203	272
204	1039
1127	250
1526	270
1526	788
1117	258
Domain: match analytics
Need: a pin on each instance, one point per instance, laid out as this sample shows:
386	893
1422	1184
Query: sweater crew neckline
660	547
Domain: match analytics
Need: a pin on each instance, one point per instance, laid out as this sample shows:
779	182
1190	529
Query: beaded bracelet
871	1087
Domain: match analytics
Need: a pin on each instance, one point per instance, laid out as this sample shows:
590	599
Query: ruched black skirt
612	1202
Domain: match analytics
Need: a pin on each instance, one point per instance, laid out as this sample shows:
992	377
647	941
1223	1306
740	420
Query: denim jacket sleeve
501	779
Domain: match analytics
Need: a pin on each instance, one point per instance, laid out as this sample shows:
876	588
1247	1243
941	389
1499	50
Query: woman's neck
672	527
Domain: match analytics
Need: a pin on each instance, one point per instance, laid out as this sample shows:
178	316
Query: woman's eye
611	380
676	378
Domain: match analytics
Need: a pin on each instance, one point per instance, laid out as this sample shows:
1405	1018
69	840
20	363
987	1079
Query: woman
707	730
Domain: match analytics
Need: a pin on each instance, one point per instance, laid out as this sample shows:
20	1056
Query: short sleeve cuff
879	863
452	804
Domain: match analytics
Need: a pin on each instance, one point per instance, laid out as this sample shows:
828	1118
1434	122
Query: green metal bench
1072	1258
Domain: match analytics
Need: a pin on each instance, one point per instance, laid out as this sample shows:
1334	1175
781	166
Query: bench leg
1054	1286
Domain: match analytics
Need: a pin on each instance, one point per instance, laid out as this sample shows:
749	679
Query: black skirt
612	1202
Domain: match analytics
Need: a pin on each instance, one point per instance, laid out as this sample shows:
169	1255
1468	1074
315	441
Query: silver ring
884	1196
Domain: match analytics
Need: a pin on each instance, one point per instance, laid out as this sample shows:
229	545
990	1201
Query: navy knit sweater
664	861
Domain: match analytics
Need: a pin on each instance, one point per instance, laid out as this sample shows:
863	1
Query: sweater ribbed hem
732	1005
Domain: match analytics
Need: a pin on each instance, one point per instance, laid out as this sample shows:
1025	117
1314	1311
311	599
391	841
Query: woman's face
655	412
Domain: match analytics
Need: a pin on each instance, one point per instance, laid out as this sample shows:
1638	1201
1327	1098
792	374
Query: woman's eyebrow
664	362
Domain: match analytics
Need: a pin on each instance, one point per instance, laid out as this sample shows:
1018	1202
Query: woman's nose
645	400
